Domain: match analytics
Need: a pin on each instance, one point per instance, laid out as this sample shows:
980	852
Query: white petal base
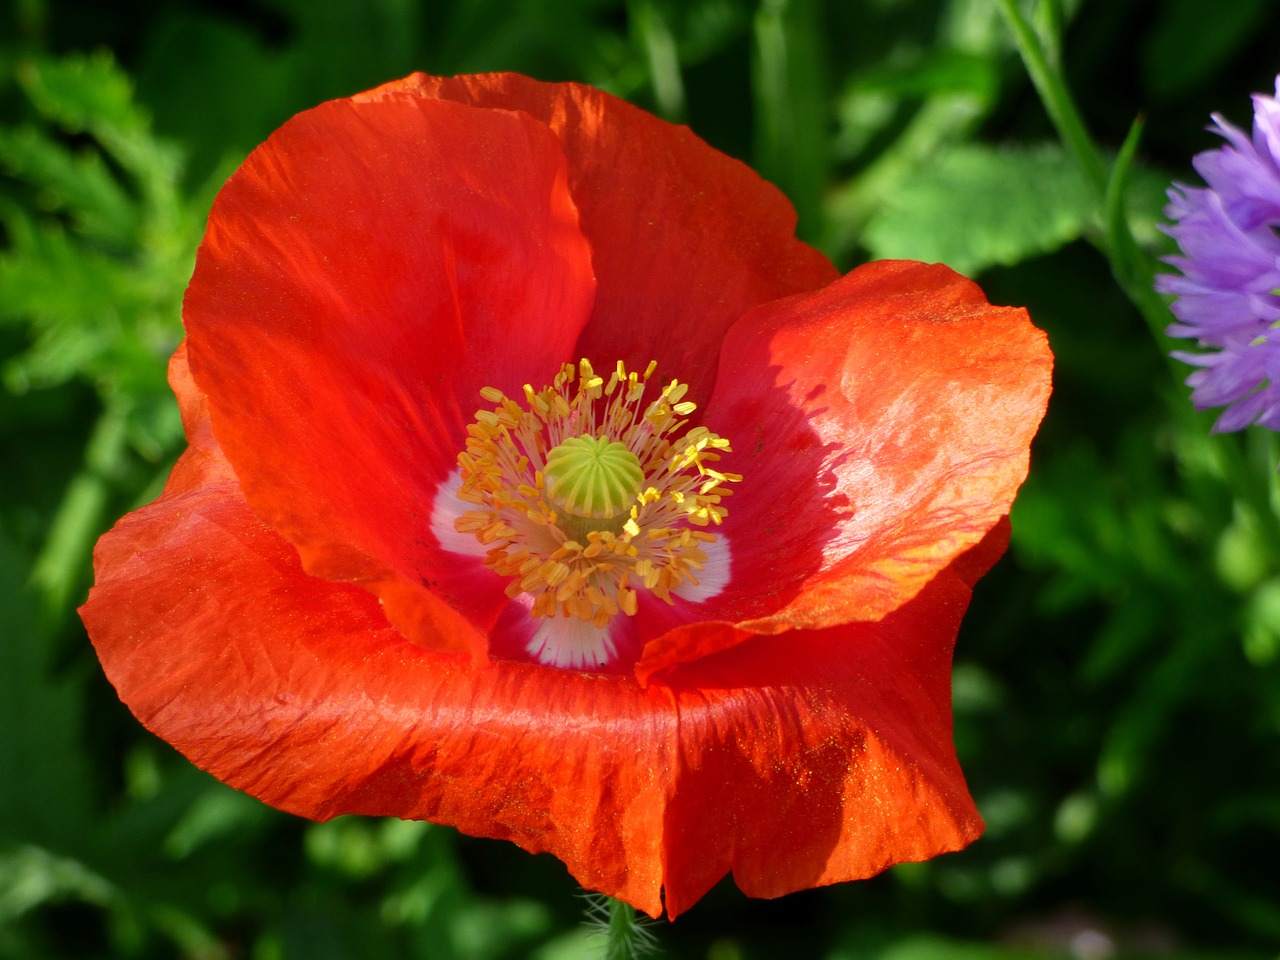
568	642
448	508
714	575
571	643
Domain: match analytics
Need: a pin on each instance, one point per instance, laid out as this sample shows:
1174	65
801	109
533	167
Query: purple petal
1225	290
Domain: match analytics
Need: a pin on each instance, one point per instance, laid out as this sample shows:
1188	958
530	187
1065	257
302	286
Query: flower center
594	480
586	493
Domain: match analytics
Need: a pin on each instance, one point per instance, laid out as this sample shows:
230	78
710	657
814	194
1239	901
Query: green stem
1056	98
664	59
788	83
63	559
1133	267
622	925
625	934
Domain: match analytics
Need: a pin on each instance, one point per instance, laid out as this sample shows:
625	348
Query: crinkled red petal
684	239
792	761
364	274
882	426
819	756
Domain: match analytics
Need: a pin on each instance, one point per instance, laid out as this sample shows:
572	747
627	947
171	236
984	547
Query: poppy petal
819	756
895	435
299	616
365	273
297	690
657	203
792	761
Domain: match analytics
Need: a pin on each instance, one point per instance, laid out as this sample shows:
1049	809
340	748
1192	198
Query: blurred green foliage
1117	690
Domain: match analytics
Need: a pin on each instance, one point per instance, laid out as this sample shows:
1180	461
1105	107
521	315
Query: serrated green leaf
82	93
93	95
48	274
70	297
78	185
106	311
975	206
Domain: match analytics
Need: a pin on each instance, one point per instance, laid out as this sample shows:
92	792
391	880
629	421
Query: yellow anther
586	492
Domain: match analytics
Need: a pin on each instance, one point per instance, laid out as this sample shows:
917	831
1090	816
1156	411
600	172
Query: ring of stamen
585	493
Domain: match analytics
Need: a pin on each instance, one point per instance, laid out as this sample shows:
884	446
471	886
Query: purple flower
1228	296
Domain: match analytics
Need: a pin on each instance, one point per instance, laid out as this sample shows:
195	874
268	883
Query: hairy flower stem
626	939
624	935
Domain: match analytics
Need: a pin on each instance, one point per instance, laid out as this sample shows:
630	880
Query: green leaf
975	206
100	244
933	72
82	93
77	302
792	147
219	814
44	775
31	876
78	185
93	95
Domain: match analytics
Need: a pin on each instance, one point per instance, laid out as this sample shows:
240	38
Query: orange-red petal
791	761
364	274
882	426
819	756
684	239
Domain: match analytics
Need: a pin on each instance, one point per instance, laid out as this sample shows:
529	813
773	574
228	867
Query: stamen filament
586	492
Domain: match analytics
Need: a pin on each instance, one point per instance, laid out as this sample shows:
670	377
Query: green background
1117	685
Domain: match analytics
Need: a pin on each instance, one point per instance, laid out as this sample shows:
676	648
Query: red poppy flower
389	578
